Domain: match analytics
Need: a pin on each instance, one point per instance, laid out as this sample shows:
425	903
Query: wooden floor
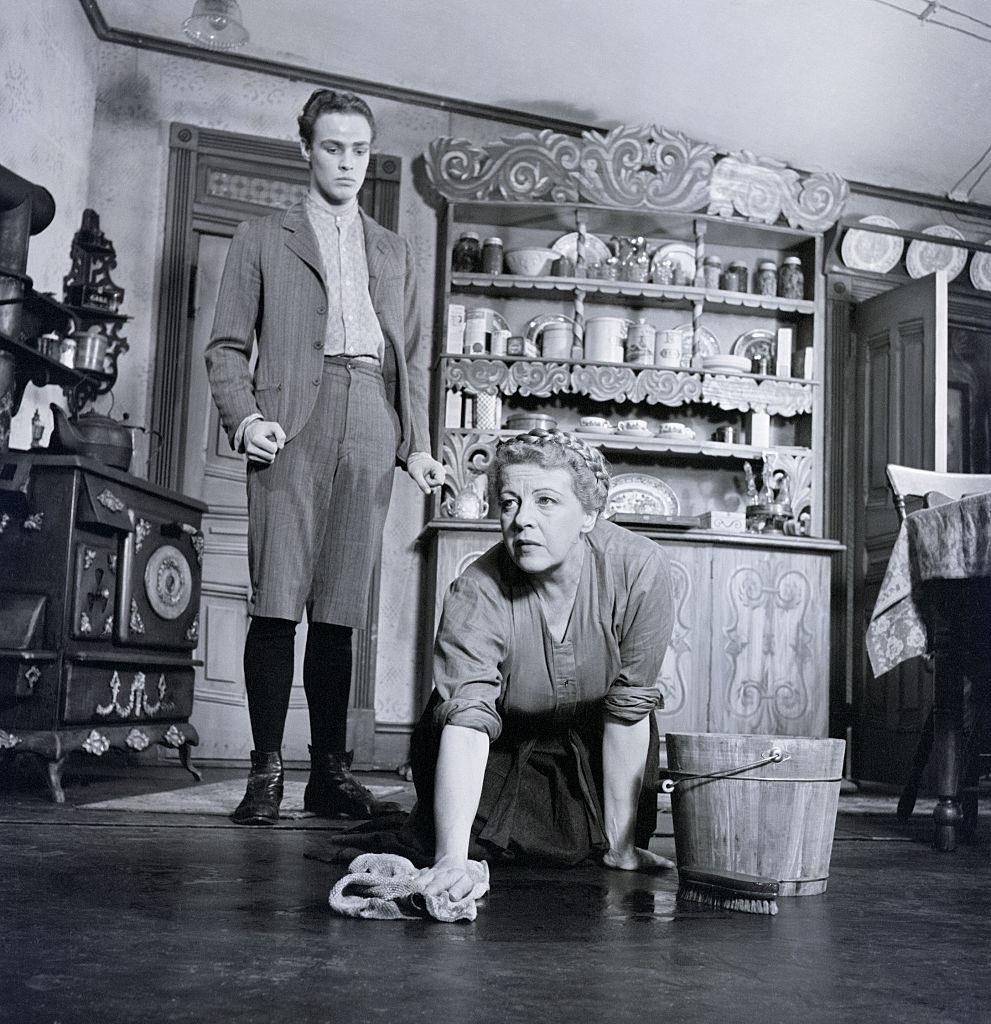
113	917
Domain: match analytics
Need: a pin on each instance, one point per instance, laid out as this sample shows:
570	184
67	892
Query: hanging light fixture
216	25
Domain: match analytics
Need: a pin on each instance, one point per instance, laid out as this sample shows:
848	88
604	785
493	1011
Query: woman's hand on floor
636	859
450	875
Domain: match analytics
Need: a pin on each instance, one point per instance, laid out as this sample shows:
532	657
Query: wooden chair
930	488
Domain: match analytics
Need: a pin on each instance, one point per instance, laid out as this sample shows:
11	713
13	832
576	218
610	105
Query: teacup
632	426
675	430
595	423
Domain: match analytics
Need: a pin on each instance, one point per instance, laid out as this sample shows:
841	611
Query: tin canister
476	337
640	343
499	342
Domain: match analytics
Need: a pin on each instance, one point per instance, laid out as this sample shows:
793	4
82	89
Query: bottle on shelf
492	255
466	257
791	280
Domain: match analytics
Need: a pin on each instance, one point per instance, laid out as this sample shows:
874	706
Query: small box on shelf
454	340
759	430
728	522
783	352
803	363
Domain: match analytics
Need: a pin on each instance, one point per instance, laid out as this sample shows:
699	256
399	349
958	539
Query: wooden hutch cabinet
750	651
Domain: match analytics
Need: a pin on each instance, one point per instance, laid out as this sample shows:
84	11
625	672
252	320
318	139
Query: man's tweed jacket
273	287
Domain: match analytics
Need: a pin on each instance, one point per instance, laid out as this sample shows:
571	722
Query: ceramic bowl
532	262
726	363
530	421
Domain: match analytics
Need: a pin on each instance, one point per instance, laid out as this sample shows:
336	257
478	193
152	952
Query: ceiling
865	88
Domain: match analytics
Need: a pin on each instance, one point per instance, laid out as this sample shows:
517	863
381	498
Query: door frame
213	176
845	290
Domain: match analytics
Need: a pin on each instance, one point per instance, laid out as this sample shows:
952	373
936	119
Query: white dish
634	433
531	262
727	364
980	269
926	257
639	494
681	254
596	251
756	343
708	344
869	250
597	430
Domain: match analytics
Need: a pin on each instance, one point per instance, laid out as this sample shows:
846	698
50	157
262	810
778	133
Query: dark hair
551	449
327	101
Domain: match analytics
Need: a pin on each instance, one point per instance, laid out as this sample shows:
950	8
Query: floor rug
217	798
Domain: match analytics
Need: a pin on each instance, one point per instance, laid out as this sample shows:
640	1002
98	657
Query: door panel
902	385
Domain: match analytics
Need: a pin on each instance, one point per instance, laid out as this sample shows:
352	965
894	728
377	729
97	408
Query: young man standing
338	395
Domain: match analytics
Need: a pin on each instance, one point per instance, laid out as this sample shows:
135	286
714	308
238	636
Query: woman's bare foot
636	859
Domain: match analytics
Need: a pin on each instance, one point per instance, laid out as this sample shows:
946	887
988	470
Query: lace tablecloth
948	542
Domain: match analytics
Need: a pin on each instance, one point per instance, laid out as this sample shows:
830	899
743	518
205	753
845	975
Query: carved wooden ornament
635	167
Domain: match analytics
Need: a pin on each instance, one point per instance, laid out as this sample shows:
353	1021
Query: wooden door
901	360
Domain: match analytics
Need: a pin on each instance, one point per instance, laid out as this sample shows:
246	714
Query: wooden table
936	598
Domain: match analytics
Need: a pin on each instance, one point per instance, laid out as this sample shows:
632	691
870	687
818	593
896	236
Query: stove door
160	584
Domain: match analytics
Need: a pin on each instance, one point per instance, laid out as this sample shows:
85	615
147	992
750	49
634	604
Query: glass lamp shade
216	24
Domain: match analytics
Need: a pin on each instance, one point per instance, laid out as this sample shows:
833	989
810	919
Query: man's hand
427	473
263	439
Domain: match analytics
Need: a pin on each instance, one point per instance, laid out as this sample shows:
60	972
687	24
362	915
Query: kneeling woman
539	739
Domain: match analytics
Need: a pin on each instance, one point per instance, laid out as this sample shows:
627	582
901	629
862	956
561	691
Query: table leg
947	744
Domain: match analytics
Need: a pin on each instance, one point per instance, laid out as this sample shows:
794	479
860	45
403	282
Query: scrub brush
728	890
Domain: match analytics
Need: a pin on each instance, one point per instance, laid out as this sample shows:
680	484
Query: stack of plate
726	364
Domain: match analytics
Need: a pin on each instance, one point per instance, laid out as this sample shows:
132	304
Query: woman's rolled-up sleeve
468	651
647	626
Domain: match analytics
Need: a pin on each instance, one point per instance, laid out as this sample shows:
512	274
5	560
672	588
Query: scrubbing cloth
384	887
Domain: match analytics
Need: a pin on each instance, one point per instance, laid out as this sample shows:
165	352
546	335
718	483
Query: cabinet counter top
747	539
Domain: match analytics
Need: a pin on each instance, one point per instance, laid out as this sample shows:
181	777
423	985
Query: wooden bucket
776	821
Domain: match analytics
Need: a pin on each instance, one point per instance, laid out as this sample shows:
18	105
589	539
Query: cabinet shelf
597	289
623	382
619	442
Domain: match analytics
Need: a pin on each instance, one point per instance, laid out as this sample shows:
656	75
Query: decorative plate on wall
642	495
980	269
596	251
708	343
681	254
868	250
755	344
927	257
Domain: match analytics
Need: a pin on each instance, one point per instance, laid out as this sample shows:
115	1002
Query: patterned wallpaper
47	94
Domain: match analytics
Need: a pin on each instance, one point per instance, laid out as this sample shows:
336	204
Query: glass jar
466	257
712	271
791	280
742	276
492	255
663	272
767	278
731	278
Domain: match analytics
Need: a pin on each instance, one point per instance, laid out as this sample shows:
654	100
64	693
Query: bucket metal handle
773	756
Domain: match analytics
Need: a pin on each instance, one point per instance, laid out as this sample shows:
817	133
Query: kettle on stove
94	436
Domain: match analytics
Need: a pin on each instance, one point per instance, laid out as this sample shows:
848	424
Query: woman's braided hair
553	448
